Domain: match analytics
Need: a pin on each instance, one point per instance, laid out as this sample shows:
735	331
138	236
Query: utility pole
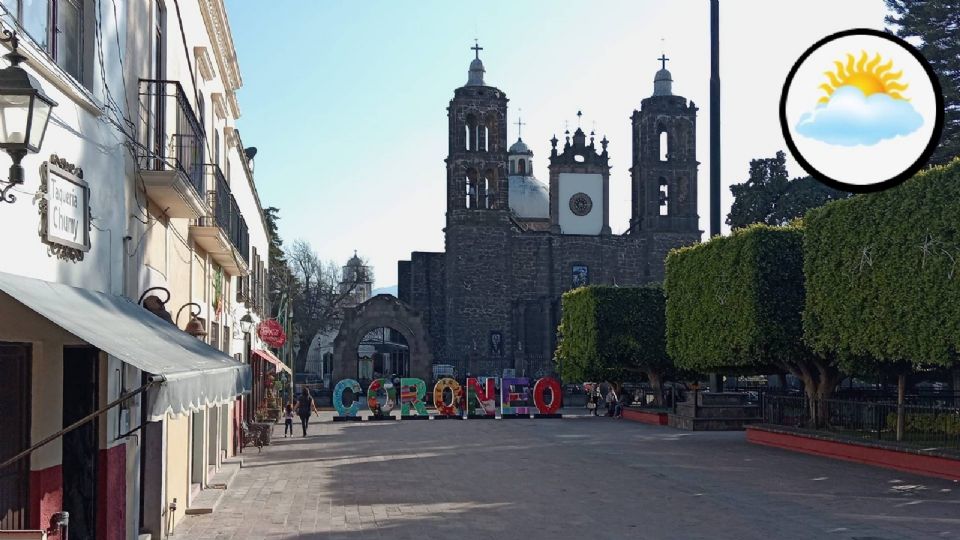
716	379
714	118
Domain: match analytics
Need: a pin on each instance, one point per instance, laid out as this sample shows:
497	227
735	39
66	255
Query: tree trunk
901	390
956	386
656	385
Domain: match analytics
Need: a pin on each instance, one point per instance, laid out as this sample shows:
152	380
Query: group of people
613	404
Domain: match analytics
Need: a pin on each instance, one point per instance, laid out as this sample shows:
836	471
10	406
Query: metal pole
714	118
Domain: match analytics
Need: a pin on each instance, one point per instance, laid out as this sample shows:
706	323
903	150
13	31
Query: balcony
221	231
170	150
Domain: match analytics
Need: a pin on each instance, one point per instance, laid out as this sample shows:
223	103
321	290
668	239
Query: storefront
70	354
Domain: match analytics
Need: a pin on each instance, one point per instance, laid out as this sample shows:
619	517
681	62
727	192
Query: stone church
491	300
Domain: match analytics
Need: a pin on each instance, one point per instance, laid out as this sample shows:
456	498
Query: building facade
491	300
168	229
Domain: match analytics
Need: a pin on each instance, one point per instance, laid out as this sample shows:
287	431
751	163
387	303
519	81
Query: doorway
80	445
15	426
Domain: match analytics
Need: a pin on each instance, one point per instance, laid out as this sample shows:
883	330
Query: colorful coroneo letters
412	392
375	387
338	397
486	398
515	396
456	392
540	388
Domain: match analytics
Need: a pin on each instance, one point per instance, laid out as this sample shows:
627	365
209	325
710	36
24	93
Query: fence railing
226	213
169	135
923	426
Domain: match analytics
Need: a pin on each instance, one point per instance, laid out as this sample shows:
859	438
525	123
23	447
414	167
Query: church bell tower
664	171
477	155
478	336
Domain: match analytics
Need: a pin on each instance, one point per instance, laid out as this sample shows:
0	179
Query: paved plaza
580	477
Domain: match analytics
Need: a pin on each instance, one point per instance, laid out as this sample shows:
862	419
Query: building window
664	143
216	147
580	275
64	39
215	335
523	167
664	197
226	339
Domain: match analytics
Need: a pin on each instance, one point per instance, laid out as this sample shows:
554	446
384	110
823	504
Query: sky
346	100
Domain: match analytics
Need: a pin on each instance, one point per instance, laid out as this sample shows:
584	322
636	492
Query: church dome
520	147
355	260
475	76
529	197
663	83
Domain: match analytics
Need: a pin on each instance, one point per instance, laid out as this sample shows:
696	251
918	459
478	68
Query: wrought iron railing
923	427
169	135
225	213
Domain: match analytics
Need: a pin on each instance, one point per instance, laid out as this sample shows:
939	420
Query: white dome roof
529	198
520	147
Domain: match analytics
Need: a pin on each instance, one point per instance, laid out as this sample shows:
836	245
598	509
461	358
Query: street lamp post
24	114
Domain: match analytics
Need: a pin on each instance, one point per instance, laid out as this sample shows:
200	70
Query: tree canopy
613	334
883	272
769	196
933	25
735	303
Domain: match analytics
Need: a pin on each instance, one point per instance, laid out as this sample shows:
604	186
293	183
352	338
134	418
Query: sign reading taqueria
66	207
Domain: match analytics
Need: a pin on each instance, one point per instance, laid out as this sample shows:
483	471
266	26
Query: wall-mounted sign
272	333
64	209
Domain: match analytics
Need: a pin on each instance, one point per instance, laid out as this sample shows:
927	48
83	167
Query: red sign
272	333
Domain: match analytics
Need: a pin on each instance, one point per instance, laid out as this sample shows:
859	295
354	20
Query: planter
266	431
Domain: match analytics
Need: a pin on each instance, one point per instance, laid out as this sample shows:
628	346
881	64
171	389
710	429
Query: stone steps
208	499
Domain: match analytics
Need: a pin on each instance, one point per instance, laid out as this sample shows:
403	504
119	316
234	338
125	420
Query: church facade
513	246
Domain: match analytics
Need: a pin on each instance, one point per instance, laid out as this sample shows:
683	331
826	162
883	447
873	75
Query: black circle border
906	173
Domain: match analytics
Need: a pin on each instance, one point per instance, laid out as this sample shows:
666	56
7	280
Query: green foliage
936	23
946	423
734	303
883	272
769	196
612	333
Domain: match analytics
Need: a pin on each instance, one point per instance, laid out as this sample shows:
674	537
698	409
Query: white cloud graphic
851	119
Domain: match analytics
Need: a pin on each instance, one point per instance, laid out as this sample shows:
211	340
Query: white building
144	135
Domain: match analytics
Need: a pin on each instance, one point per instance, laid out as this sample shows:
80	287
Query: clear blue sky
346	100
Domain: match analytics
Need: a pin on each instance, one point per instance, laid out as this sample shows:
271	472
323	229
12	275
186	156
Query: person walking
288	421
611	401
305	406
594	400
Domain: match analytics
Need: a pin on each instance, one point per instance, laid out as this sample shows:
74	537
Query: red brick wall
112	493
46	495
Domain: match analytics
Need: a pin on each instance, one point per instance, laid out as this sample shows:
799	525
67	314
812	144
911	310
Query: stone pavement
580	477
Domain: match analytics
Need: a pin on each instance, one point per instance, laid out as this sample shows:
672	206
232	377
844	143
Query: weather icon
863	104
861	110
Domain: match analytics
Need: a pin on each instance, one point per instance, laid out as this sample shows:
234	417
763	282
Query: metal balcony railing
225	213
169	135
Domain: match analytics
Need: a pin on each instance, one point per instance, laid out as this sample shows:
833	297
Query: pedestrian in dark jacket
305	406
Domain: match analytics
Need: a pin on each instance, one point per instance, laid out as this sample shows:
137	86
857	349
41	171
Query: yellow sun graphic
870	78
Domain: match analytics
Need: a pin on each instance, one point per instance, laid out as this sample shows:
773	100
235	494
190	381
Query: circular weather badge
861	110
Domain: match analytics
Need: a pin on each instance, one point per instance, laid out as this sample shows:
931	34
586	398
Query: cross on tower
663	60
579	115
476	48
520	124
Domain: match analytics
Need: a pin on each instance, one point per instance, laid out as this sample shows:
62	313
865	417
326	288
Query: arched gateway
381	311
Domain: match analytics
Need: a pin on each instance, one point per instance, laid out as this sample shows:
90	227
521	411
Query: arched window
664	144
466	138
523	167
470	192
471	132
664	197
486	139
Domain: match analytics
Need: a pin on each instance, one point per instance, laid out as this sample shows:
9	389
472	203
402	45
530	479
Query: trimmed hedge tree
883	272
613	333
735	304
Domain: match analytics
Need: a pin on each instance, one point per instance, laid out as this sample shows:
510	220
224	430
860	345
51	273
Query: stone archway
383	310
